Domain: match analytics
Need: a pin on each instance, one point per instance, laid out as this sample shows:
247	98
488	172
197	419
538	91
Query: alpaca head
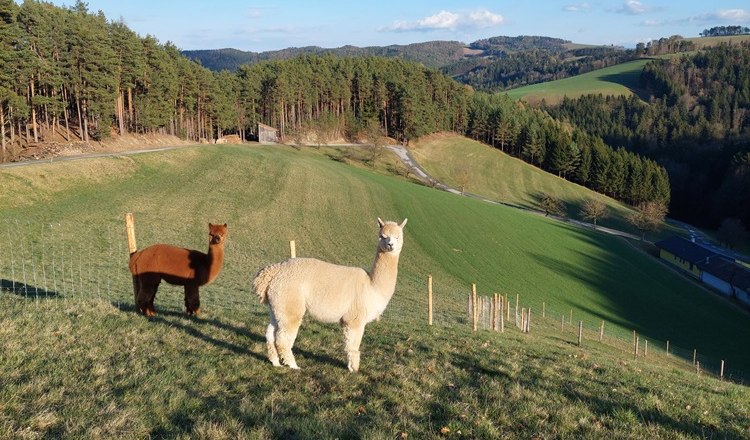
391	236
217	233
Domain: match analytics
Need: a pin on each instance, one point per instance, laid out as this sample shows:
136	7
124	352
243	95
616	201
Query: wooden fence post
645	348
293	248
562	323
635	352
474	302
570	321
429	299
507	308
130	229
517	309
721	375
580	332
494	317
695	353
492	312
543	310
502	314
528	321
601	331
667	346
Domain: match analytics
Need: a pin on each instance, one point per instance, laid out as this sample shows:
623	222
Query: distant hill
433	54
453	57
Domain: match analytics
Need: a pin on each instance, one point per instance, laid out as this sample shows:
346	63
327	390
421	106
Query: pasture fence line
639	347
49	263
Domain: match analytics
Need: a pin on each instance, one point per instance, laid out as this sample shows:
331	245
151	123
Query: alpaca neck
384	272
215	260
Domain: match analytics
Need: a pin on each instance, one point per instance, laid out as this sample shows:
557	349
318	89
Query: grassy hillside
621	79
80	363
498	176
704	42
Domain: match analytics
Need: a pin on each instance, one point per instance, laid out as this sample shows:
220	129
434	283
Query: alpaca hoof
150	313
294	367
195	312
276	363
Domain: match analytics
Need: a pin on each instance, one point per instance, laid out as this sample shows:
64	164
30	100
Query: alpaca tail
263	280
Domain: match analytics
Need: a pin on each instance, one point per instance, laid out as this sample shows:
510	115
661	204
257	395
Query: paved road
88	156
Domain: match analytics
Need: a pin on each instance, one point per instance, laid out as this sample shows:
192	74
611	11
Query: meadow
620	79
79	362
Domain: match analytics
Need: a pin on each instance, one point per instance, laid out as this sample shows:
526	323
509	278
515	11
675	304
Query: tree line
70	74
723	31
696	124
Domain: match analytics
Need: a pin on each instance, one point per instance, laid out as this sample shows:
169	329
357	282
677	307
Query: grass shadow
26	290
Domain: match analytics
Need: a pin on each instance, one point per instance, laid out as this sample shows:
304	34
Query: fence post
635	352
562	323
698	368
580	332
667	346
494	317
544	310
492	312
130	228
721	375
528	321
570	321
429	299
601	331
474	302
645	348
507	308
695	353
293	248
502	314
516	309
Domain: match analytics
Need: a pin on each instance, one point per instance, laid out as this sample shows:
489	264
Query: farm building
267	134
684	254
718	272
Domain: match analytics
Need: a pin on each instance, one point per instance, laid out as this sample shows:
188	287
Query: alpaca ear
225	225
380	222
403	223
210	225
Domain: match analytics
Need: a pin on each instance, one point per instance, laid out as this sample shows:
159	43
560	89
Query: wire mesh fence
63	263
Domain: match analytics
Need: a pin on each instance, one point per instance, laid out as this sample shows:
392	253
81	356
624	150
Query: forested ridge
697	124
70	74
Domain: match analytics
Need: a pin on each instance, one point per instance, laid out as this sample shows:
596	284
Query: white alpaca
331	293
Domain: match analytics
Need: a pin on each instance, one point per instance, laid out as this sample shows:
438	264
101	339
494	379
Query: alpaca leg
273	355
144	295
286	333
192	300
352	339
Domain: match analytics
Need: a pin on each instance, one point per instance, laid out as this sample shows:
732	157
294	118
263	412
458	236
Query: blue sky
277	24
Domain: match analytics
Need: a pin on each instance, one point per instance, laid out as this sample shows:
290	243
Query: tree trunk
33	111
2	133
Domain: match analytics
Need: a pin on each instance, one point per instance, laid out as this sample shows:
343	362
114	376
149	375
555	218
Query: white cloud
722	16
733	15
445	20
633	7
652	23
578	7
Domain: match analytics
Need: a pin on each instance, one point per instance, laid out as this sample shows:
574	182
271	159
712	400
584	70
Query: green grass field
80	363
621	79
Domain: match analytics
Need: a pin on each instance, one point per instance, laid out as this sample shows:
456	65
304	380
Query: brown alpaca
177	266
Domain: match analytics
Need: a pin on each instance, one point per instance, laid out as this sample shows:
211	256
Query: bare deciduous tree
594	210
648	216
551	205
